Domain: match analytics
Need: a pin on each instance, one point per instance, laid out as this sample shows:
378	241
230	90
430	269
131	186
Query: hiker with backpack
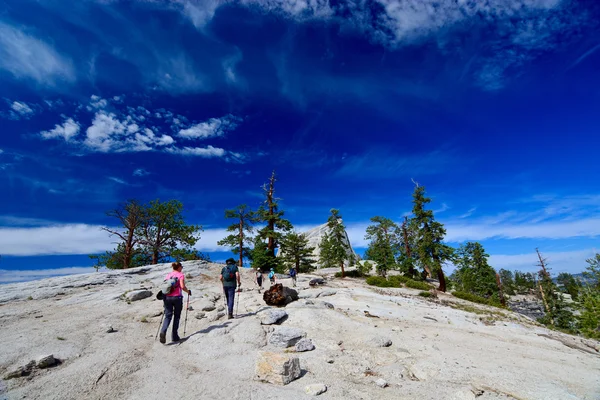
173	301
272	276
258	279
229	276
293	275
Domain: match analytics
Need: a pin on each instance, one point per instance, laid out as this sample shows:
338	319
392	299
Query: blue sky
492	105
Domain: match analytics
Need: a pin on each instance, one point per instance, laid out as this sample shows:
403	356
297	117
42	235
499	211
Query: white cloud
96	102
205	152
140	172
68	130
117	180
211	128
57	239
568	261
26	57
15	275
21	108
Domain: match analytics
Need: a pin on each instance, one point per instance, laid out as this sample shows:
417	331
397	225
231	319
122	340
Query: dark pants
230	296
173	305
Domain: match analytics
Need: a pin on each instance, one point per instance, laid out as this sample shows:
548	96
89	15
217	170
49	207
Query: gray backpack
168	285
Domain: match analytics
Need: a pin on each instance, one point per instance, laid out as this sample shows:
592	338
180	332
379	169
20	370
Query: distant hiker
258	279
229	276
272	276
173	302
294	275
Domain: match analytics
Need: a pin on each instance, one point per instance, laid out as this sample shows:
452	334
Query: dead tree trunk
500	291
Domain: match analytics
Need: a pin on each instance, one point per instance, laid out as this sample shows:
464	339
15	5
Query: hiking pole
238	302
161	320
186	311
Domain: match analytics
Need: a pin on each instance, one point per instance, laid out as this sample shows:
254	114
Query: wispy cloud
140	172
22	109
211	128
27	57
570	261
67	131
584	56
205	152
117	180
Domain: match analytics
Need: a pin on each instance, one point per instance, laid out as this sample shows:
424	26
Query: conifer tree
589	297
276	226
508	282
335	248
430	250
164	233
384	246
131	215
405	257
474	274
557	313
241	230
296	251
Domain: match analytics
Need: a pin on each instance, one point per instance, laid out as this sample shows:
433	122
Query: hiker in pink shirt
173	302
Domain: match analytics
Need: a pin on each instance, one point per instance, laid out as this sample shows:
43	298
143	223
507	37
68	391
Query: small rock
381	383
271	317
207	306
156	314
221	308
136	295
316	281
315	389
216	317
379	341
200	315
328	305
304	345
25	370
286	336
110	329
330	361
190	308
46	361
277	368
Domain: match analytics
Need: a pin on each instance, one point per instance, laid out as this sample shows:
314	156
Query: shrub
476	299
425	294
350	274
379	281
417	285
398	280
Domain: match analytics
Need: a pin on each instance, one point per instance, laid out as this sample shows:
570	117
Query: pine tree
335	248
383	247
474	274
276	225
241	229
430	250
589	297
131	215
405	257
164	233
557	313
295	251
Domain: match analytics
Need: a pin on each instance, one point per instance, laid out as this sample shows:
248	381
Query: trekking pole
159	325
238	302
186	311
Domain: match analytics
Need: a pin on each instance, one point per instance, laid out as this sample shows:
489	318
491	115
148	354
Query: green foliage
568	284
429	249
589	320
425	294
398	280
473	274
417	285
383	247
239	239
524	282
592	273
365	267
355	273
164	231
335	247
296	252
508	282
379	281
476	299
261	257
190	255
557	312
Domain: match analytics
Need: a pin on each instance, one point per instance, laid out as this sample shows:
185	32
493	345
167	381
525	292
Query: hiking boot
163	338
230	316
176	338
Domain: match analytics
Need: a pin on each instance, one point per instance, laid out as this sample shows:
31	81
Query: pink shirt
176	290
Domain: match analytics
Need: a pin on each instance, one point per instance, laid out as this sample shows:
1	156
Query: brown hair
176	265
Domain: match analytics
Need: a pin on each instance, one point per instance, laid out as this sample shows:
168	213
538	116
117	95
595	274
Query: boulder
379	341
316	281
279	295
136	295
206	305
271	317
200	315
306	294
315	389
46	361
304	345
277	368
216	316
286	336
